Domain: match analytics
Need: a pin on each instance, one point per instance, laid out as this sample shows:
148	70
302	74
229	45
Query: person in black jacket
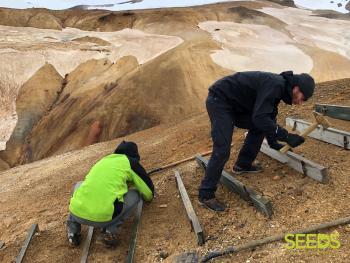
249	100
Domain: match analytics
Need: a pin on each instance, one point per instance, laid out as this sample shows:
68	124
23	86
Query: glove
276	146
294	140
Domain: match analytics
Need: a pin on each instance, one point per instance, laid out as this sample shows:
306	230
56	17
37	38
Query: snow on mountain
336	5
107	4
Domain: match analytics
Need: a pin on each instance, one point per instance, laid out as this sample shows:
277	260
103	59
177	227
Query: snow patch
336	5
255	47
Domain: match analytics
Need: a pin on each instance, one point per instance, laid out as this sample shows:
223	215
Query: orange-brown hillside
39	193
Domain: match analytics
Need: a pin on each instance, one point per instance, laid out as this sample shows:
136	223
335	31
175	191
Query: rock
298	191
276	178
185	257
8	221
163	254
269	194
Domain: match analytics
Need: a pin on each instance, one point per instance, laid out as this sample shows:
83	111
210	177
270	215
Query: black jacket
256	95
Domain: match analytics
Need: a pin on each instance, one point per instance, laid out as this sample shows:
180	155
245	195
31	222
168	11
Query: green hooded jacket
107	182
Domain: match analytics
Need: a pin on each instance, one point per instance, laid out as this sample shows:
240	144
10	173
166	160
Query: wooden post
155	170
135	228
261	203
336	137
86	246
334	111
33	229
254	243
298	163
191	214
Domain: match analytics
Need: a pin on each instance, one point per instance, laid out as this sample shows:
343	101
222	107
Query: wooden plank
2	244
33	229
330	135
334	111
191	214
135	228
299	163
261	203
86	246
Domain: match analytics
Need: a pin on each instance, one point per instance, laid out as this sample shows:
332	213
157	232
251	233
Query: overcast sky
117	4
145	4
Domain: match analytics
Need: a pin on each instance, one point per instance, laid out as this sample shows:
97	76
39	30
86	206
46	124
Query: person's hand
294	140
276	146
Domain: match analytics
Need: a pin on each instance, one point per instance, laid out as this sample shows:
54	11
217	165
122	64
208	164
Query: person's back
104	199
242	88
105	183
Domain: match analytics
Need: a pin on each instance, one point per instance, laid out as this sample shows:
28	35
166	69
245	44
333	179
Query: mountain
75	83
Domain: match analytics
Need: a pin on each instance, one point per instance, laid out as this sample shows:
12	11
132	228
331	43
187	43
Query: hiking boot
212	204
74	239
108	239
252	169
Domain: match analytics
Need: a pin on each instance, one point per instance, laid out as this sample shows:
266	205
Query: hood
290	83
129	149
304	81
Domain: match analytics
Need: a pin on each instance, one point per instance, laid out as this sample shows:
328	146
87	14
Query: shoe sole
105	244
247	172
72	245
209	208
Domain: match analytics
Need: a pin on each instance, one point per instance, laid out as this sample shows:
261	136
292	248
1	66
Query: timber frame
298	163
333	136
261	203
191	214
334	111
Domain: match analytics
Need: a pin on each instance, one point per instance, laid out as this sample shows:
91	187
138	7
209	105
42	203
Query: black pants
223	119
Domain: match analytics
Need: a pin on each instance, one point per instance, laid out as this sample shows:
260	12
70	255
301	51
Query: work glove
294	140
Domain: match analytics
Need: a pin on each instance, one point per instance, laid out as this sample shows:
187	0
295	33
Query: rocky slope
69	79
44	187
179	53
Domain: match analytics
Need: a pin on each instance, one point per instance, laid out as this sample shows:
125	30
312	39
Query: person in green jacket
103	199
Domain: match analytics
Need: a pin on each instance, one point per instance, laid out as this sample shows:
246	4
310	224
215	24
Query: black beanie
306	84
128	148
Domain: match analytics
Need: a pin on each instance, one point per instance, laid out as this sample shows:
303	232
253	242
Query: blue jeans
223	118
131	199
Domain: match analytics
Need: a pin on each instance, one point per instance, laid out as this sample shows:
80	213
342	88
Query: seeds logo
312	241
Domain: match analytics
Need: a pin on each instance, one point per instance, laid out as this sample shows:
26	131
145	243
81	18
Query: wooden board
135	229
330	135
33	229
86	246
191	214
334	111
261	203
298	163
